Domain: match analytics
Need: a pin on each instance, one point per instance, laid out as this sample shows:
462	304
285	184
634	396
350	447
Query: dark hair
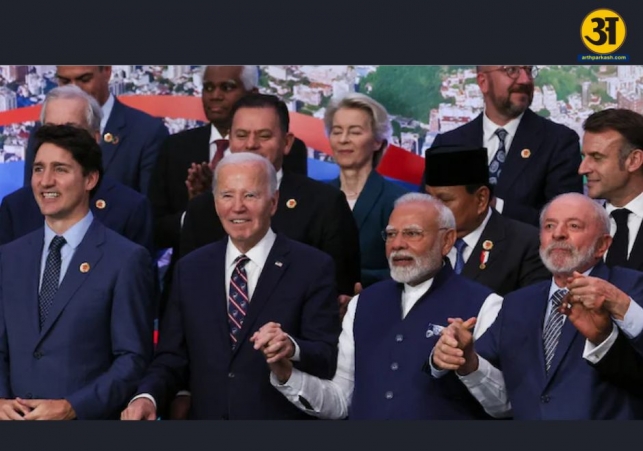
256	100
627	123
78	142
473	188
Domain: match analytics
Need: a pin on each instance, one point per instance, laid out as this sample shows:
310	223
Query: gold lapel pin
108	138
100	204
525	153
487	245
292	203
84	267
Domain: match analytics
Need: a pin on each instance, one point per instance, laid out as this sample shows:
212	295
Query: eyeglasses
513	72
407	234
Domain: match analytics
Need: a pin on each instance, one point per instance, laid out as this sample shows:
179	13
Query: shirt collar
214	134
107	110
635	206
258	254
489	127
419	289
74	235
472	238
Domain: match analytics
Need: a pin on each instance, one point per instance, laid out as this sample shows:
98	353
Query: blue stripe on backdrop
11	176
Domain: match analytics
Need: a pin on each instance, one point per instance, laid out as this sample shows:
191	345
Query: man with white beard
386	339
543	356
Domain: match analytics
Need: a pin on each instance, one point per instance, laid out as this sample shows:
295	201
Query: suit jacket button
231	375
545	399
37	354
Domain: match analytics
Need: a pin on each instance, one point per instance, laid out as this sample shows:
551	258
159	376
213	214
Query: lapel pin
278	263
84	267
115	140
108	138
487	245
484	258
292	203
100	204
526	153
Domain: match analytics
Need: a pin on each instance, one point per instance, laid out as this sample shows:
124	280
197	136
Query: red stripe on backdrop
397	163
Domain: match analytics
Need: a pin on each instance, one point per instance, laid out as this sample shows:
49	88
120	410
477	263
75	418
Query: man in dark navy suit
222	293
130	139
117	206
531	159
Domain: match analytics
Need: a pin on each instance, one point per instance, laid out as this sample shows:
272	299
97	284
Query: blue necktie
238	300
499	158
460	244
50	278
553	326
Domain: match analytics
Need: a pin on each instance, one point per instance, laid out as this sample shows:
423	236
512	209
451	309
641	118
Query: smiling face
59	186
244	204
352	138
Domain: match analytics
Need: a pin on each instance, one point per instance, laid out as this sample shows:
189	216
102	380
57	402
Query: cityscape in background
422	100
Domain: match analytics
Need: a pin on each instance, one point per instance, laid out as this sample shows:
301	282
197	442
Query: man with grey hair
390	328
223	292
534	364
129	138
117	206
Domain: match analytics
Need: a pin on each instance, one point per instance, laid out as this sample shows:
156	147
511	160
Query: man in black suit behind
182	170
491	249
531	159
309	211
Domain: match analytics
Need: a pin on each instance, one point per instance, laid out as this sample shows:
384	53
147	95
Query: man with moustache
534	364
531	159
613	165
391	327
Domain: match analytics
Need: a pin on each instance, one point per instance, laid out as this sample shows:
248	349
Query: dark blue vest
391	381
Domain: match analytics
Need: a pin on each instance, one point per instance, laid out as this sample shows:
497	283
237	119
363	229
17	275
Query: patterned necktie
238	299
617	254
499	158
460	244
222	145
50	278
554	324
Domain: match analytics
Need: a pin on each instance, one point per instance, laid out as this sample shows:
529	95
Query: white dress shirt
107	110
633	220
331	399
491	141
471	240
487	383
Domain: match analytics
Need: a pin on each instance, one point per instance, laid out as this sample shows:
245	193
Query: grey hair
93	113
249	76
380	122
245	158
446	219
600	213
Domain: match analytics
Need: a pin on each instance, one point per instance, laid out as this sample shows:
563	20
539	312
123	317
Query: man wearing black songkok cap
492	249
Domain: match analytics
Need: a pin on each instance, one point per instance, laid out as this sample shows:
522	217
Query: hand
139	409
594	323
277	348
48	409
454	350
199	179
180	407
10	409
596	293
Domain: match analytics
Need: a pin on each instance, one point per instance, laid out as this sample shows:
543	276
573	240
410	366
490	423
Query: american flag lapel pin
278	263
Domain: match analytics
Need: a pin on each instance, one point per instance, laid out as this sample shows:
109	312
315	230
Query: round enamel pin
525	153
84	267
108	138
487	245
100	204
292	203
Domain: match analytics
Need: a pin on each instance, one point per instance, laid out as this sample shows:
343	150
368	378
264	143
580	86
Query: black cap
456	165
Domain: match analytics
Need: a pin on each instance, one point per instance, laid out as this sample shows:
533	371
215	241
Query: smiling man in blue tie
76	304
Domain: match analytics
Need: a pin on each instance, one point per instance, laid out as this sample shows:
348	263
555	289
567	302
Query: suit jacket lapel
218	308
88	251
636	256
274	269
368	198
200	151
528	136
494	231
116	127
32	282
